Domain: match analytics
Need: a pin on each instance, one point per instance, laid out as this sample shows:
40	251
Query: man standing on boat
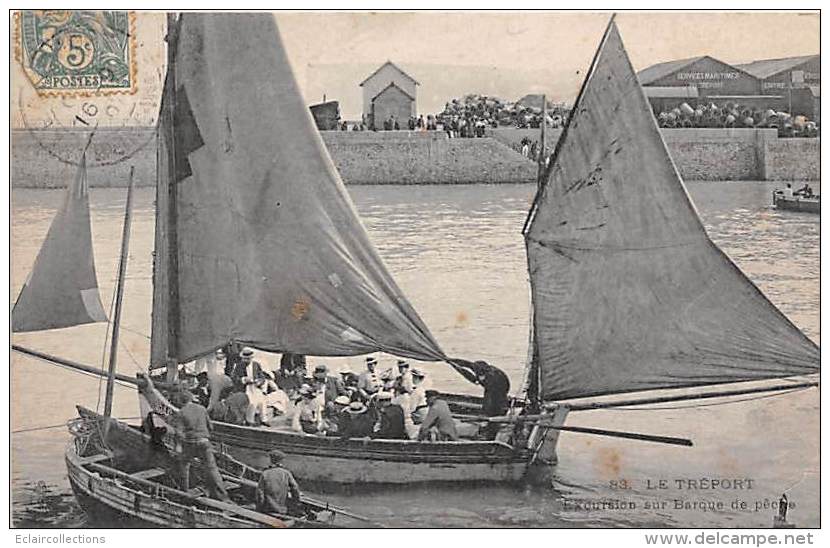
277	490
494	381
195	428
368	383
403	382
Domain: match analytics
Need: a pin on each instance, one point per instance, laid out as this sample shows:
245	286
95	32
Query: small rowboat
796	203
131	480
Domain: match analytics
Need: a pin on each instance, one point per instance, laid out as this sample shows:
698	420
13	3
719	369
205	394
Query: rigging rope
699	405
61	425
104	352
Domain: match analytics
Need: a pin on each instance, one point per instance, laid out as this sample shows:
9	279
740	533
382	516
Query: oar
584	430
338	510
627	435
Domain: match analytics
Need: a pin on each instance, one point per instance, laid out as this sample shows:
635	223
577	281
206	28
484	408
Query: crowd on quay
469	116
735	115
236	388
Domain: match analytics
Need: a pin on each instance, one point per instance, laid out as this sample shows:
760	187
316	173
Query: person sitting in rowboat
390	425
277	491
404	400
788	191
438	424
194	429
308	413
368	382
805	191
358	422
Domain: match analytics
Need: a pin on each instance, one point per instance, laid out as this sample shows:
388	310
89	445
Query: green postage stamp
77	52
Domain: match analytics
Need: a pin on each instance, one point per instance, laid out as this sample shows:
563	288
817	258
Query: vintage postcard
419	270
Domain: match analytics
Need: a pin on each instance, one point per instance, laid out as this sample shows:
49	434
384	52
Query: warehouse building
796	79
389	92
710	76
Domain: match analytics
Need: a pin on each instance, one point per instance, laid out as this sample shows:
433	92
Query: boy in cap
277	491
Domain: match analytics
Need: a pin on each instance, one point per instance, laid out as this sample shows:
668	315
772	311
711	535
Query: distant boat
796	203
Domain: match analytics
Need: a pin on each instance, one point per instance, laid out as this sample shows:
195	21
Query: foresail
270	249
62	290
628	291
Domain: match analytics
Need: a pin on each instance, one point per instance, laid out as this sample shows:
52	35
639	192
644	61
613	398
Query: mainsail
269	250
62	289
629	293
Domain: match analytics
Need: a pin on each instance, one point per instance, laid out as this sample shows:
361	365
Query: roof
815	90
396	67
655	72
392	85
684	92
770	67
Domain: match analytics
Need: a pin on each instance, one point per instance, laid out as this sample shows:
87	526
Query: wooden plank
149	473
94	458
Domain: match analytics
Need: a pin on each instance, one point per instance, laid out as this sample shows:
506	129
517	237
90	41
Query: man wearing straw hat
358	422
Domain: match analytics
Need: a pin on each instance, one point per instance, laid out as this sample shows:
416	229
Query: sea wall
420	157
46	158
792	160
719	154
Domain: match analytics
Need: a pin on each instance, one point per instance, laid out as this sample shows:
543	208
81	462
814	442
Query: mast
541	159
119	296
173	27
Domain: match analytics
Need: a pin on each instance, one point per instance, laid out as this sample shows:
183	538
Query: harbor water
458	254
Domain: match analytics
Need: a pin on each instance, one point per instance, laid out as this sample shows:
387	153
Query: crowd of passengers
392	404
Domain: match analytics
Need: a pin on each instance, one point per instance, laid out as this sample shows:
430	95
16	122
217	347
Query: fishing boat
258	243
796	203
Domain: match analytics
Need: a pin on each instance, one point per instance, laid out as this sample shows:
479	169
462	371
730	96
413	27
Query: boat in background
796	203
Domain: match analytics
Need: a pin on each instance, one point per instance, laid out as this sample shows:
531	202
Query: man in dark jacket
194	428
357	421
277	491
494	381
391	419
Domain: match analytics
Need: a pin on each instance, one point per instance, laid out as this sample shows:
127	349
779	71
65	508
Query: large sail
629	292
270	251
62	289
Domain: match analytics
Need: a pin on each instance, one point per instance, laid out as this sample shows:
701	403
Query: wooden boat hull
804	205
130	501
130	506
334	460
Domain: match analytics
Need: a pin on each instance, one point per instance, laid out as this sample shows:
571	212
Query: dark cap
431	393
276	455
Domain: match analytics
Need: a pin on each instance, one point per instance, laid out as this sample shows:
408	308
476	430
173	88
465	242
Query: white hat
342	400
384	395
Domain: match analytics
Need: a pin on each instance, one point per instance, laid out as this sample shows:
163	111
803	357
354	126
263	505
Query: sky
506	54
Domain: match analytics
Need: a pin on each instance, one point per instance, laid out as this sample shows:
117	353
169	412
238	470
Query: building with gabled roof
796	79
389	91
709	75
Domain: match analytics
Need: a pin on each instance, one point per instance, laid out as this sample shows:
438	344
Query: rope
700	405
63	424
134	332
